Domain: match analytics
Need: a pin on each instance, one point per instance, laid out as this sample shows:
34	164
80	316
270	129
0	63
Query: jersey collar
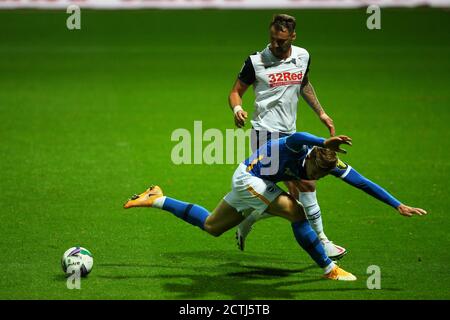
269	59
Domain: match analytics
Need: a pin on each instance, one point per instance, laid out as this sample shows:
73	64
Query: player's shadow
235	275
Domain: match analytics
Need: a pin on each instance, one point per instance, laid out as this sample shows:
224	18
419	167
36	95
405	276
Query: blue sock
308	240
190	213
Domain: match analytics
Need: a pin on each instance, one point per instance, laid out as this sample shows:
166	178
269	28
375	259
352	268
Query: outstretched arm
354	178
296	141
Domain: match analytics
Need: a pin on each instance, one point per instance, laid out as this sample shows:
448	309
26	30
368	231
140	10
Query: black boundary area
225	309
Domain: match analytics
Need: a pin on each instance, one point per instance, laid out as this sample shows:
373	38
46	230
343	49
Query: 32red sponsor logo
285	78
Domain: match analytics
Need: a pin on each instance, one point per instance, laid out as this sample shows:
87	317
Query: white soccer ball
77	258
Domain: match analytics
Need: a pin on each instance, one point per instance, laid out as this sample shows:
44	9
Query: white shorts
250	192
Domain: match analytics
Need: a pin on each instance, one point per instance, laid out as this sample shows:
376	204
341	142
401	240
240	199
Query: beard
280	51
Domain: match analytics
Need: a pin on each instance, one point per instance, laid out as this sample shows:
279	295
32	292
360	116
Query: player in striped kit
279	75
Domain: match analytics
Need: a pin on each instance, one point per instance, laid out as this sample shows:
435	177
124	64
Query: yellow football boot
145	199
339	274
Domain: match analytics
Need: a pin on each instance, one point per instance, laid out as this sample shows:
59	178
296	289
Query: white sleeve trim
307	154
346	172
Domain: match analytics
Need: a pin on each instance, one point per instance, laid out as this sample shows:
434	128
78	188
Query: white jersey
277	85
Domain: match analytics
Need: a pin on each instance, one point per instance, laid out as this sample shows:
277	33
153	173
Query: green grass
86	119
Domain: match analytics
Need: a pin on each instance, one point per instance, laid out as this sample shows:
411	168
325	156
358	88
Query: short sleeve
305	80
309	63
247	73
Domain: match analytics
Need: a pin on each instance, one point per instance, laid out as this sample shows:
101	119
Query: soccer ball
77	258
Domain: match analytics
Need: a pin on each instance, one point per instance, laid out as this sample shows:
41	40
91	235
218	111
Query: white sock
256	216
312	209
328	268
159	202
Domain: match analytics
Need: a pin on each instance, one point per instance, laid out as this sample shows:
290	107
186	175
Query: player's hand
408	211
328	122
239	118
334	143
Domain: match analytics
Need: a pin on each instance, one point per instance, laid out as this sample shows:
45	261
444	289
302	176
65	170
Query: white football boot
333	251
242	232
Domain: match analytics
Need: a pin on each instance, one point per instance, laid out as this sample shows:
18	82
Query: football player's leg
308	198
258	138
287	207
292	188
244	228
253	216
223	217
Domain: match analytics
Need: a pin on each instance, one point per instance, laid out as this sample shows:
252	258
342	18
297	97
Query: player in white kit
279	75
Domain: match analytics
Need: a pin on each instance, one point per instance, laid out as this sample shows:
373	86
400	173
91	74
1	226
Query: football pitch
86	121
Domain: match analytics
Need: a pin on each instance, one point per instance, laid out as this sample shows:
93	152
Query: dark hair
325	159
281	22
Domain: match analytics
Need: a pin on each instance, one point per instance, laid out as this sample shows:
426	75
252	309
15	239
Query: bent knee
292	188
300	216
212	230
295	213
